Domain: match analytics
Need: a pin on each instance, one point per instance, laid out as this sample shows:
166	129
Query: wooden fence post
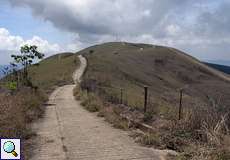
87	91
180	107
121	98
146	98
126	98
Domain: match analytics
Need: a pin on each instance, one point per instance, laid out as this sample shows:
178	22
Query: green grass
54	71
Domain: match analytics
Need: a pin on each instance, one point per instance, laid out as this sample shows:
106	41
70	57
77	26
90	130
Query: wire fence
138	99
120	96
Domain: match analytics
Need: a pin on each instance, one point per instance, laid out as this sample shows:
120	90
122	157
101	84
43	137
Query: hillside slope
54	71
165	70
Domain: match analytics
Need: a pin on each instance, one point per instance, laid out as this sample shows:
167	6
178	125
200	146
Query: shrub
203	131
94	104
91	102
112	116
152	139
222	155
17	110
148	116
11	86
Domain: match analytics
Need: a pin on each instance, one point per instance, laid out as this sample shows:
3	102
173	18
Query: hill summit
164	70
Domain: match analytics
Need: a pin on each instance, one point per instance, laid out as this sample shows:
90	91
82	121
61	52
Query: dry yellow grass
19	109
165	71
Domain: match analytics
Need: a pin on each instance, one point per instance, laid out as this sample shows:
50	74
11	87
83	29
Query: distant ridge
219	62
222	68
1	70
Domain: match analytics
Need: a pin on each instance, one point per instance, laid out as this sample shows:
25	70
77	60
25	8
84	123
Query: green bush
11	86
148	116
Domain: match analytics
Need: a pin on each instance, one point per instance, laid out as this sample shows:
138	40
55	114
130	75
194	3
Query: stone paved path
68	132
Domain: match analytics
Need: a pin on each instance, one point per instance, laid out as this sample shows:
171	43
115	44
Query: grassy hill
202	133
164	70
54	71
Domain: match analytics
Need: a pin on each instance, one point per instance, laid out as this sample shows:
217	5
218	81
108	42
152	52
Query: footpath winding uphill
67	131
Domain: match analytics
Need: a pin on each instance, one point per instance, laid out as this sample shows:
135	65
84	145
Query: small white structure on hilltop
141	49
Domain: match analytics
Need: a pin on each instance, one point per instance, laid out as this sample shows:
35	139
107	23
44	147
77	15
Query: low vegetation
93	103
202	133
23	94
17	111
54	71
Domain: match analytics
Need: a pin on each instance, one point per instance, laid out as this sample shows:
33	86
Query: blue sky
20	21
200	28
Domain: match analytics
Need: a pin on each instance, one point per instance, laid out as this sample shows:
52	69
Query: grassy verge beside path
25	105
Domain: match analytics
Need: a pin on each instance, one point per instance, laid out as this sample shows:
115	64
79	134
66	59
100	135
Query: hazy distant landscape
222	68
5	68
1	70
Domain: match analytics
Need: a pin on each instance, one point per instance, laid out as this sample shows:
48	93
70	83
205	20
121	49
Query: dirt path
69	132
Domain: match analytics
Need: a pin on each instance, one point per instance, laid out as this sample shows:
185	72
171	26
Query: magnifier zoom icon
9	147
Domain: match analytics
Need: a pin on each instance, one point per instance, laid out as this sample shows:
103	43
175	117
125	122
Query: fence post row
146	98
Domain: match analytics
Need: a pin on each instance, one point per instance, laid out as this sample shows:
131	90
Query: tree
29	55
13	71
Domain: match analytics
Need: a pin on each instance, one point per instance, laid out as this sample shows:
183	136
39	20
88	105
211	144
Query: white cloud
102	16
9	42
173	29
43	45
13	43
194	26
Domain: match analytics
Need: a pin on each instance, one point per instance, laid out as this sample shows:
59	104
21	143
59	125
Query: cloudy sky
200	28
